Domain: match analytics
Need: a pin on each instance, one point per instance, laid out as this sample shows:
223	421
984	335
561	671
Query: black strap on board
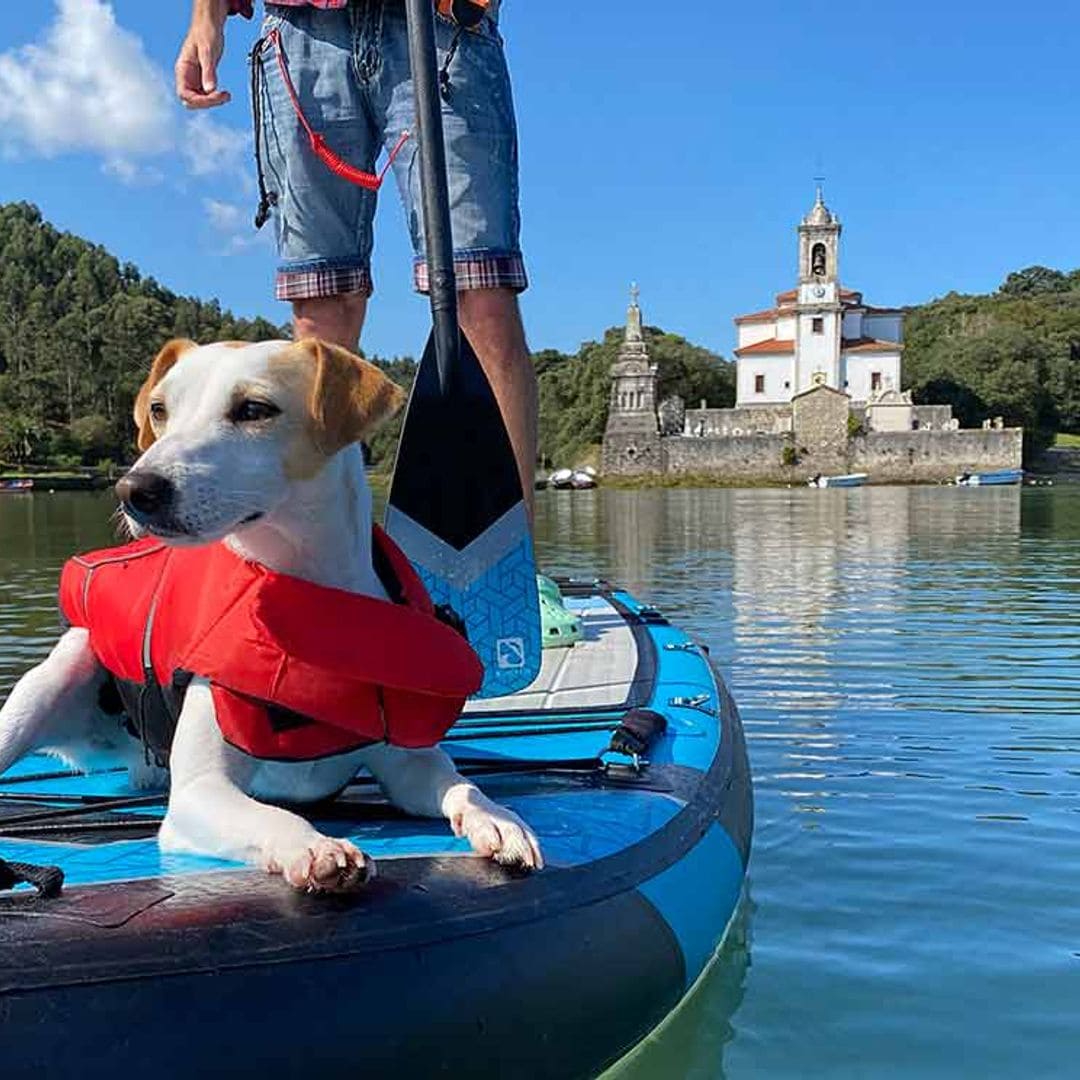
638	730
48	880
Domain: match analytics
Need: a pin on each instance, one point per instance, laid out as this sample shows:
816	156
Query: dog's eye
158	412
250	411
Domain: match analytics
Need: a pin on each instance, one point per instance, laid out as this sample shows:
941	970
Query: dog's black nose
145	492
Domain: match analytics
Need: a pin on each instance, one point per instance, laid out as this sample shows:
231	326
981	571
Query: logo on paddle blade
510	652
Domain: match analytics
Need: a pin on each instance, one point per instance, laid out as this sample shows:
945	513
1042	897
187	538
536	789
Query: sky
672	145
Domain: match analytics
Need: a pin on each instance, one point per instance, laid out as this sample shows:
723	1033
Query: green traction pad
559	627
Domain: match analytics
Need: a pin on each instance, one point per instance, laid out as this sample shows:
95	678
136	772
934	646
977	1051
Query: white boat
855	479
583	479
561	478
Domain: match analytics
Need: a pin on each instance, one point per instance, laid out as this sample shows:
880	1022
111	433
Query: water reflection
703	1025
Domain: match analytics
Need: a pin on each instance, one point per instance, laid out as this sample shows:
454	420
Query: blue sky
673	145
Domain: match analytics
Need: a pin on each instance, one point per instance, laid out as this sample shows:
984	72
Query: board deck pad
456	509
597	672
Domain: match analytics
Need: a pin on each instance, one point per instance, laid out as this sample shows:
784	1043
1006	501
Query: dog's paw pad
329	865
501	835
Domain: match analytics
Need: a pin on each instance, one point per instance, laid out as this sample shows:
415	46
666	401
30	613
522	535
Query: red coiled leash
334	162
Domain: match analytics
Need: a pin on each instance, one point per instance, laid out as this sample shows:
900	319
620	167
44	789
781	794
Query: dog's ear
171	351
349	398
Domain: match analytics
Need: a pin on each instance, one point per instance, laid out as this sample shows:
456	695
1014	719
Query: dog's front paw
496	832
327	864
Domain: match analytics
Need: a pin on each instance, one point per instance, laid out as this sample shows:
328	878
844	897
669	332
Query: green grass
1064	438
59	474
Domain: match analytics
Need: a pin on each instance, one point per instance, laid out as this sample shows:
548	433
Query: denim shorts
350	70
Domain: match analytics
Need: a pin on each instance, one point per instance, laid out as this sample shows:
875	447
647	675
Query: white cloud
131	173
232	227
223	216
213	149
87	85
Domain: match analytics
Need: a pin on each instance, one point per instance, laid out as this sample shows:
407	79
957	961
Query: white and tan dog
256	445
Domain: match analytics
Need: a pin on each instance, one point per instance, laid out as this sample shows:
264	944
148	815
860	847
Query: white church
818	333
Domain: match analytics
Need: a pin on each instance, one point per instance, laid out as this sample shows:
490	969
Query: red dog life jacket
298	671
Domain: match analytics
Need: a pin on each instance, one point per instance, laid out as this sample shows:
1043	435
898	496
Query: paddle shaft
434	192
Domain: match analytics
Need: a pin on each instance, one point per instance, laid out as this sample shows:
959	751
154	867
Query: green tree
1034	281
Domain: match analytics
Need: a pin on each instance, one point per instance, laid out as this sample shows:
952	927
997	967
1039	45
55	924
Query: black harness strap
48	880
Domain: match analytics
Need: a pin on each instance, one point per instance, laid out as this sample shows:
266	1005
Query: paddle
456	507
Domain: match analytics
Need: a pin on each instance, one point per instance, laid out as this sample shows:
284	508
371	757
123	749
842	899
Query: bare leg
492	321
337	319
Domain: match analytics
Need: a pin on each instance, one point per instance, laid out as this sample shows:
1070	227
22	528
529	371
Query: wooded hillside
78	330
77	333
1014	353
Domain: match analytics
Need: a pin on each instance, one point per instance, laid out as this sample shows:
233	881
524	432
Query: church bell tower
819	314
819	254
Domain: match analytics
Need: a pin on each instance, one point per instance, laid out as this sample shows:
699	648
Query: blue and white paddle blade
456	509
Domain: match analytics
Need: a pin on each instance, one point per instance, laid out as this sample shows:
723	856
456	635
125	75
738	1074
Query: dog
255	446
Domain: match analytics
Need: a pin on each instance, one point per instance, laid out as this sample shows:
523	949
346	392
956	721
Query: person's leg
492	321
337	319
323	222
482	166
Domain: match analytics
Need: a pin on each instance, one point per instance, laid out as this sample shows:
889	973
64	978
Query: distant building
818	334
632	436
818	392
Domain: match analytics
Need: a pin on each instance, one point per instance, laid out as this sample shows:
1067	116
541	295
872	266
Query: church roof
849	298
758	316
869	344
772	345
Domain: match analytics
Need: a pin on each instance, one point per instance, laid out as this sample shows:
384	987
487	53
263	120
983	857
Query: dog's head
226	430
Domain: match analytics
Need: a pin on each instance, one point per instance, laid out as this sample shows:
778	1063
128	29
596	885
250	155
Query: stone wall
750	420
741	459
905	457
632	453
933	417
901	416
820	423
813	430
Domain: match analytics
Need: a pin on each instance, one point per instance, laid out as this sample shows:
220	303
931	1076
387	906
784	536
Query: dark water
907	662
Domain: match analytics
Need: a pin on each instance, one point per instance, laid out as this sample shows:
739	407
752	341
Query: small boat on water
626	755
578	479
989	479
16	487
856	479
583	479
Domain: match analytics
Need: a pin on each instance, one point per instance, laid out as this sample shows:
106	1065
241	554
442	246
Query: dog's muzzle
145	495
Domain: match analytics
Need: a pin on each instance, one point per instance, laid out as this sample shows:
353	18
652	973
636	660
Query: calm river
907	663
